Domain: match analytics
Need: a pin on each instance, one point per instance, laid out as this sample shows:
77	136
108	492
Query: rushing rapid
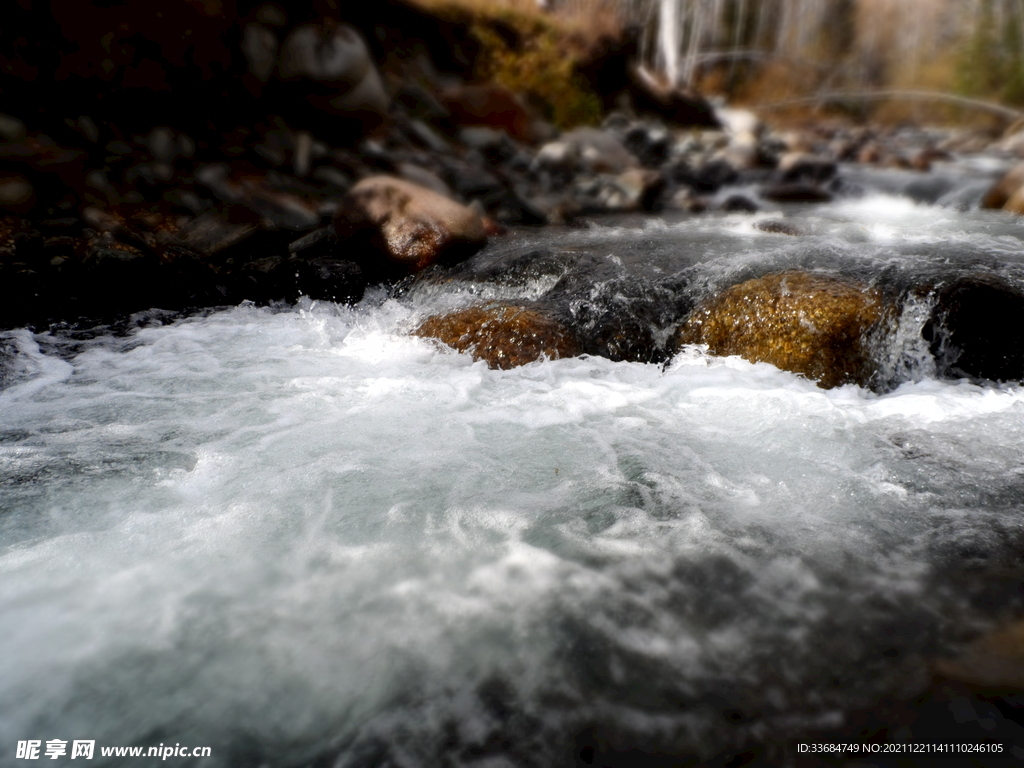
300	535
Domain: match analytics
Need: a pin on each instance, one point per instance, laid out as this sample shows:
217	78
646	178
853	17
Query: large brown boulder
410	225
1001	192
503	335
817	325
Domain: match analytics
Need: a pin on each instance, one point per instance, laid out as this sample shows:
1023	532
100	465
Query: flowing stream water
302	536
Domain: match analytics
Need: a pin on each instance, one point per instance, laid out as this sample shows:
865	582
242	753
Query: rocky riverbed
408	429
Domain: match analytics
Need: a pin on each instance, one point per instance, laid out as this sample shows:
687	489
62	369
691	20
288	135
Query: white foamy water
303	534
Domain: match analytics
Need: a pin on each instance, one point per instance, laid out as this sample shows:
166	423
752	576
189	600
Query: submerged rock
776	227
411	226
817	325
503	335
975	329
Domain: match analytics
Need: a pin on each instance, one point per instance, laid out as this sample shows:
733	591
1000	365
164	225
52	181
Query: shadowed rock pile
204	153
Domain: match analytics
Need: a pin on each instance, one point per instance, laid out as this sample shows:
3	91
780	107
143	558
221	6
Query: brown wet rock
1001	192
776	227
816	325
503	335
410	226
975	329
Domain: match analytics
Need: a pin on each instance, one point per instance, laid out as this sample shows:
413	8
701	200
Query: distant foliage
534	52
991	62
975	47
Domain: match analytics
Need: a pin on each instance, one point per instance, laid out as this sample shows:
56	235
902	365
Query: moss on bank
532	53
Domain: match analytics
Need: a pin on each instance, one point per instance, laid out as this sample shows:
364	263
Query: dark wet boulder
385	221
615	316
503	335
976	329
816	325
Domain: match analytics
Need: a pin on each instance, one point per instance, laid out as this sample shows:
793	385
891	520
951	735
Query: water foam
291	534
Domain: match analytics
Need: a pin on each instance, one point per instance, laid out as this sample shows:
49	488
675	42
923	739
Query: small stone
428	137
332	177
162	144
259	45
211	233
11	128
16	191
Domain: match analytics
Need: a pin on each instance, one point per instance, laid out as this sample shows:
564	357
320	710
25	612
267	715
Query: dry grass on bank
536	53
